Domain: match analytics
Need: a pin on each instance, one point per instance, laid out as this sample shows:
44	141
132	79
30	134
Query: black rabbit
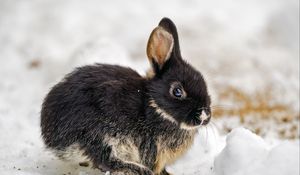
123	122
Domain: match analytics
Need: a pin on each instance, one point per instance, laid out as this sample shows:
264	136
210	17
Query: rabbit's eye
177	92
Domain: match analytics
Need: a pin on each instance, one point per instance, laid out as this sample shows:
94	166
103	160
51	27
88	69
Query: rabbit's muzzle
200	116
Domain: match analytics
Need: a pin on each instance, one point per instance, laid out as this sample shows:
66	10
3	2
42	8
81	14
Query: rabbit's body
124	126
123	122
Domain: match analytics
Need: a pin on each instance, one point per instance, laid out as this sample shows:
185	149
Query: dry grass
258	112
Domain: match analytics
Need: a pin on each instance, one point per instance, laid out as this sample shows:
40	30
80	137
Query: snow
241	153
242	149
252	45
246	153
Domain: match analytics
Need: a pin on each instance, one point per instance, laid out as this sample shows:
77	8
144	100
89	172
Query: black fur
102	101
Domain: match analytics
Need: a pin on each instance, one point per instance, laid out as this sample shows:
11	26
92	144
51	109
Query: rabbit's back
91	101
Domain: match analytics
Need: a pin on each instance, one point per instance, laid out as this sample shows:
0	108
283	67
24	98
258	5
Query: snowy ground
248	51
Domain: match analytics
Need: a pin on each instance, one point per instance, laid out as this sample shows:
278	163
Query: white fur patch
187	127
162	112
203	117
123	149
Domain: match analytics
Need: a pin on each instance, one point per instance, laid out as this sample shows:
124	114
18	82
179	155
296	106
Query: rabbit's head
177	90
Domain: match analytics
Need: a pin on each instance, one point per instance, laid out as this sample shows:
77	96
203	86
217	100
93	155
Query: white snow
250	44
243	153
246	153
242	149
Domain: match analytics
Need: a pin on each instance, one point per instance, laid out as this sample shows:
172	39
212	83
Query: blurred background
247	50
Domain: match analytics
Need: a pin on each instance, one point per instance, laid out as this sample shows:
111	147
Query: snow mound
246	153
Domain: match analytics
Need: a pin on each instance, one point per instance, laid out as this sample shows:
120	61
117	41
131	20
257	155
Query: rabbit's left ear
159	48
163	45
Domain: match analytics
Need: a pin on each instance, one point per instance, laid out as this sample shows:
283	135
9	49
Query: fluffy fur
123	122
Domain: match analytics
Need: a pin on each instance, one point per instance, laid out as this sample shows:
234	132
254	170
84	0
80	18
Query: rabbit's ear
163	44
160	47
170	27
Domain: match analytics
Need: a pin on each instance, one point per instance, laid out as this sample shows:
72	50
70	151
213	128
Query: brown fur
167	155
159	46
149	74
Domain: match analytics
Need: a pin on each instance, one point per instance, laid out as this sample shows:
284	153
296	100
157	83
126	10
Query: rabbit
123	122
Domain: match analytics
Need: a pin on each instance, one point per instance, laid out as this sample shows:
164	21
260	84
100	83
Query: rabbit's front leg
102	158
164	172
128	168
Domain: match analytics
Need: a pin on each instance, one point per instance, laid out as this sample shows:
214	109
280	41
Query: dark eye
177	92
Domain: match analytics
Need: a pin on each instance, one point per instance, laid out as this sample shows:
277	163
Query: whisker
222	106
202	108
215	125
213	130
198	117
206	136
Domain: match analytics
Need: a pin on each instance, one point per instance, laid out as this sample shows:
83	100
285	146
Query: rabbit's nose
205	118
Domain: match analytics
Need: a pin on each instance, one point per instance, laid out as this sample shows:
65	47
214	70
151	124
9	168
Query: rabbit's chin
197	122
189	127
